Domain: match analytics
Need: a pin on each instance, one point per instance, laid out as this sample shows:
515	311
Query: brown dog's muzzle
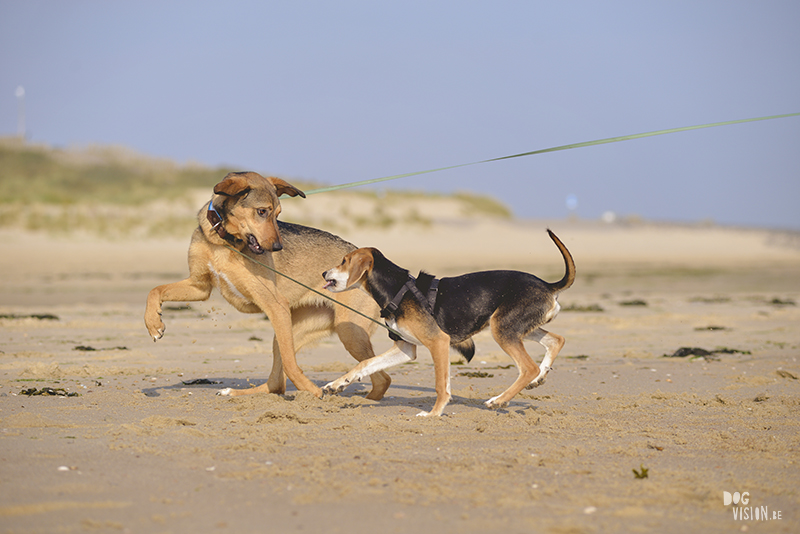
255	246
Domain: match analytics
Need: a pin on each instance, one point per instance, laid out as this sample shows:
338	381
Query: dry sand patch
142	450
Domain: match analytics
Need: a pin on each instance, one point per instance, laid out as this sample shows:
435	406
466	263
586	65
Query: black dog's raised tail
569	276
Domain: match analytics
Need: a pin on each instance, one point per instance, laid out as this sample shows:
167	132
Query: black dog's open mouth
252	243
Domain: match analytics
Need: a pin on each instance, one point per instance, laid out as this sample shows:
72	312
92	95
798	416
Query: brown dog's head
353	270
251	208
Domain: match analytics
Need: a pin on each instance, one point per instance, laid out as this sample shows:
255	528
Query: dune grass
112	191
35	174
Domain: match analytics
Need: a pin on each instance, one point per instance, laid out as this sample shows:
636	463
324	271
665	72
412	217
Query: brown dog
243	215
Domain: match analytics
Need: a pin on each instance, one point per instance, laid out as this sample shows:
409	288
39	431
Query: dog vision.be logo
743	512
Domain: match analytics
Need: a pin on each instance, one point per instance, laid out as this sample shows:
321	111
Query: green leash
545	150
301	284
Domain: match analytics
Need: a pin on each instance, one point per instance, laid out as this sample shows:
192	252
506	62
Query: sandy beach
623	437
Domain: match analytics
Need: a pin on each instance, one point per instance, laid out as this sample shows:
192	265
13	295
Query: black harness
427	303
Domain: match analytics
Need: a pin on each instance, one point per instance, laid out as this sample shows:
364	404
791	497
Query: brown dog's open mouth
253	244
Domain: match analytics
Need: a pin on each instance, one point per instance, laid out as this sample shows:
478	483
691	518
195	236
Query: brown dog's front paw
155	326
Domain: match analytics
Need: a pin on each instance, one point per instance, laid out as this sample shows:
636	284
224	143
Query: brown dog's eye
262	212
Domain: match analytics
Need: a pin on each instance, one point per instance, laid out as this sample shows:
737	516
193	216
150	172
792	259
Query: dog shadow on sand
422	397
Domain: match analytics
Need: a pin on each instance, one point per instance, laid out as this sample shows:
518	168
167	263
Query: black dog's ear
235	183
285	188
361	262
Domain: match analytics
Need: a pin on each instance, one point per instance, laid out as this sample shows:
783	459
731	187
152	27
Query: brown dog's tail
466	348
569	276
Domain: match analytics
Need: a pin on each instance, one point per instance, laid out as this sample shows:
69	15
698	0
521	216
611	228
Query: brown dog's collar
216	221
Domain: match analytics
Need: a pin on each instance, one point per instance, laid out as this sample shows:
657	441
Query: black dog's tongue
252	242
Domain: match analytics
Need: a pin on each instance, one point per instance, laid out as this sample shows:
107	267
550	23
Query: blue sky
343	91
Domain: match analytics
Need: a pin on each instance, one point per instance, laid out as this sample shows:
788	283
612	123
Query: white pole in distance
20	93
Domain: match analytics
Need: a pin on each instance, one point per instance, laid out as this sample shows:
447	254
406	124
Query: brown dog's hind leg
401	352
354	332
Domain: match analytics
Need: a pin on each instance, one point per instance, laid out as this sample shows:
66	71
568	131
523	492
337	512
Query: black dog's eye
262	212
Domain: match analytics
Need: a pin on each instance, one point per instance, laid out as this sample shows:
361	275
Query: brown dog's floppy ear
233	184
285	188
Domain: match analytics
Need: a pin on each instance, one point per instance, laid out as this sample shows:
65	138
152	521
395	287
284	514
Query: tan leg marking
553	343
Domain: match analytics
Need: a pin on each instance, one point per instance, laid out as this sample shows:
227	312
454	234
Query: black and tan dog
242	215
445	313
